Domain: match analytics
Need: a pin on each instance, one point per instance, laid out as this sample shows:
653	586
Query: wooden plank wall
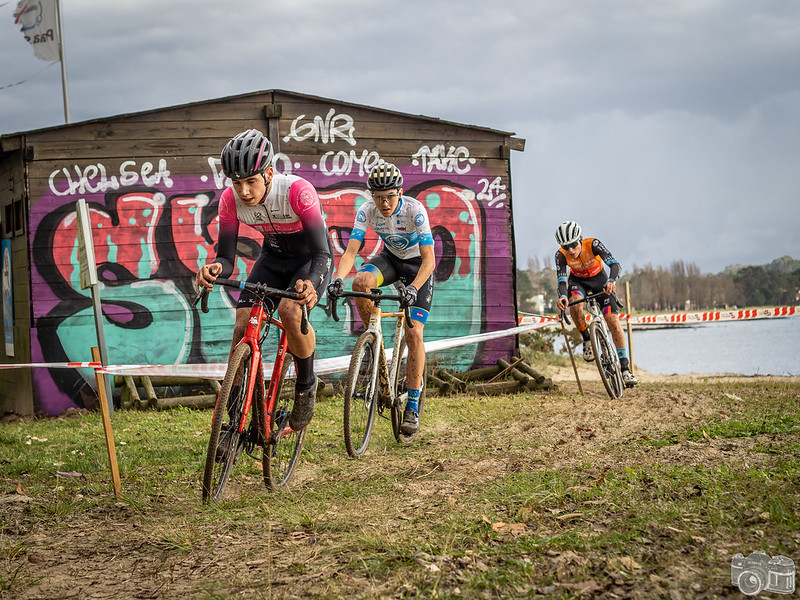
16	384
153	182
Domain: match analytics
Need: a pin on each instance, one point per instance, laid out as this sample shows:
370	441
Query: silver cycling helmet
247	154
384	176
568	233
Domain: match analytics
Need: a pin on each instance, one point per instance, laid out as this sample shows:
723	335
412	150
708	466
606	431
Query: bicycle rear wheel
605	355
360	395
399	387
226	444
284	444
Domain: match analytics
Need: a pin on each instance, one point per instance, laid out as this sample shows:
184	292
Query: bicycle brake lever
407	313
565	317
332	304
201	295
304	321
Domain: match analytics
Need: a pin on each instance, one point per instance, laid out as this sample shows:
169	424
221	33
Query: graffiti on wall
152	230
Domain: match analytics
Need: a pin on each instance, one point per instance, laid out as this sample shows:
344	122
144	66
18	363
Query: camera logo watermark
761	572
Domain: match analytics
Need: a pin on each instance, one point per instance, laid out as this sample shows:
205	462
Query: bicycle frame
361	397
606	357
381	368
255	339
242	385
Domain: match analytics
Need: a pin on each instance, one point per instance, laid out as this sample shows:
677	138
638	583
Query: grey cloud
636	114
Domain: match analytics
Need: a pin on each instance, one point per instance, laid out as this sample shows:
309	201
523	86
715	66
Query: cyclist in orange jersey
583	259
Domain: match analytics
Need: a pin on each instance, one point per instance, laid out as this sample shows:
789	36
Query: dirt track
119	552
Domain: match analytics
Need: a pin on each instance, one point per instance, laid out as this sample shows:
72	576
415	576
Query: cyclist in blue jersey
402	223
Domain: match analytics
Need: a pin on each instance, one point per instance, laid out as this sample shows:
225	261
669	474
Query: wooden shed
152	181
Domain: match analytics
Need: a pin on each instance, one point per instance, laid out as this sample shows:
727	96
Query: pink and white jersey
290	199
289	217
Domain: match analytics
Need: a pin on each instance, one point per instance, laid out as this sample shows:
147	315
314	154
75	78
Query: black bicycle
605	352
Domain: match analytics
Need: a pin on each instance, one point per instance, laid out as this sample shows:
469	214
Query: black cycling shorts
591	285
388	269
281	273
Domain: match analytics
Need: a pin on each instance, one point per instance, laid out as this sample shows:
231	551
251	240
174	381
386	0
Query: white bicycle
373	385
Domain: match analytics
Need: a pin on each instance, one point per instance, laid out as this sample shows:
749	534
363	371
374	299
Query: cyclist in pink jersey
296	251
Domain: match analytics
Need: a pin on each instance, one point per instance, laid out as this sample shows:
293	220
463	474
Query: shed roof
518	145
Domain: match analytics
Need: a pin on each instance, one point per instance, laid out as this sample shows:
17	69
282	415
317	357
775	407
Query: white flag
38	22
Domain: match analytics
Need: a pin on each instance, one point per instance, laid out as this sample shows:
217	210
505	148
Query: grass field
555	495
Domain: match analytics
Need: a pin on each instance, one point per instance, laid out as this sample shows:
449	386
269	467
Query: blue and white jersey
403	232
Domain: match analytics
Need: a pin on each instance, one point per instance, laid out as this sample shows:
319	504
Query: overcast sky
670	130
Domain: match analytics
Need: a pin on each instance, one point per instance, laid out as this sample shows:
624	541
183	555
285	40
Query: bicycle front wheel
284	444
226	444
399	386
605	355
360	395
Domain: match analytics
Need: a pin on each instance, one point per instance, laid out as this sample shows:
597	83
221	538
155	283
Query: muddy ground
120	551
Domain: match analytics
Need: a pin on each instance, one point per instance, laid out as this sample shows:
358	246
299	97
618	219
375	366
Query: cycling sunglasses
570	246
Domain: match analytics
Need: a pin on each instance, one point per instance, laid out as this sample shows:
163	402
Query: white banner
38	21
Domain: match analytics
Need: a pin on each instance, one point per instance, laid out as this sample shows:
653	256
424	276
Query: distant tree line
680	287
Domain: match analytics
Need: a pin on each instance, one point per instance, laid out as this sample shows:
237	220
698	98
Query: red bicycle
232	430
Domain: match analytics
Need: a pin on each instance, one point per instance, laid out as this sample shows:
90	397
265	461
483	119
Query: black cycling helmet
247	154
384	177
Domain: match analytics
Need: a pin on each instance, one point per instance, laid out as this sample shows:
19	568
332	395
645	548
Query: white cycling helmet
567	233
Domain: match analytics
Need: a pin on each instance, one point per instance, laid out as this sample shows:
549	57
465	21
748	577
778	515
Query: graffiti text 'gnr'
324	130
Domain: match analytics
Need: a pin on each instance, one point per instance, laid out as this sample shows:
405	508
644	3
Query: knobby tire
284	445
228	410
606	360
360	395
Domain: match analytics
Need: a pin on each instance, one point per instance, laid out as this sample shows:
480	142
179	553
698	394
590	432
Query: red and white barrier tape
715	315
694	317
217	370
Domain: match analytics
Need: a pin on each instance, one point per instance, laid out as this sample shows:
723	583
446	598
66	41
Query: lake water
757	347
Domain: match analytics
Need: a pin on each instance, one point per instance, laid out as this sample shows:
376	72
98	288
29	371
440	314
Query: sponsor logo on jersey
397	241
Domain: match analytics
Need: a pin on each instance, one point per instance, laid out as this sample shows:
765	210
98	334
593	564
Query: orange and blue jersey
589	263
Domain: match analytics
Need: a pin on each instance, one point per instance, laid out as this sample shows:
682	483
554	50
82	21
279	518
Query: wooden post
109	434
630	336
571	356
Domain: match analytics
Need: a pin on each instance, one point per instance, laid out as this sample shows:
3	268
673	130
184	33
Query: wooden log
506	368
149	390
455	382
435	381
515	373
482	374
526	368
442	387
129	395
166	381
547	384
496	388
203	401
